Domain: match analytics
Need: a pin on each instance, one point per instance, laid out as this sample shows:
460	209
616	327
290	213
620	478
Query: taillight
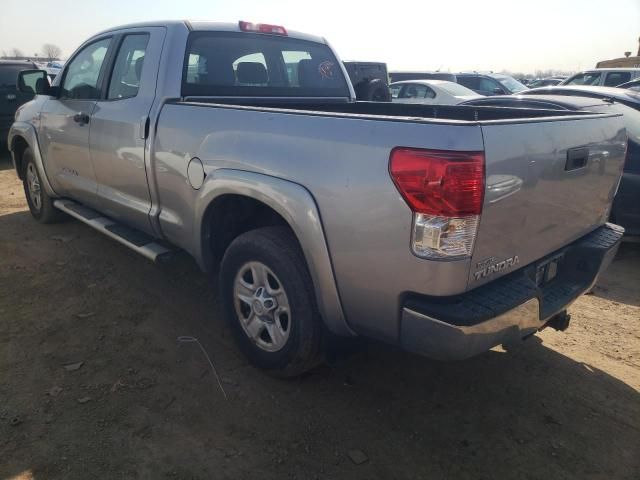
262	28
445	190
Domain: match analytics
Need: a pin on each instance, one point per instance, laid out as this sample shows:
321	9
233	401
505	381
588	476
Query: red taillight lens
262	28
439	182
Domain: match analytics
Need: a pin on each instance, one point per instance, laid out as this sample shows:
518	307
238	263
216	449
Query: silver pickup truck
445	230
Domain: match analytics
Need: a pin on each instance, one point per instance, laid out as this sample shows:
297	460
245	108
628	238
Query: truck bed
340	154
384	110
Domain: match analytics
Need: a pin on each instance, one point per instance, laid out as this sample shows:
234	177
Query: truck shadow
531	412
621	281
5	159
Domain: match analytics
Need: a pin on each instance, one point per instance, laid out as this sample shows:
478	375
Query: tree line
49	52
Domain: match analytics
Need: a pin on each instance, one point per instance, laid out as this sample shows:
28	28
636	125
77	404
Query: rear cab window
241	64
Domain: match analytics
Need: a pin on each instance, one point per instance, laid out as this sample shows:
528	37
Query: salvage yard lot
132	402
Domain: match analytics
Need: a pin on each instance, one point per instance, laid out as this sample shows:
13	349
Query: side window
469	82
81	77
488	85
429	93
395	90
592	78
415	90
614	79
127	69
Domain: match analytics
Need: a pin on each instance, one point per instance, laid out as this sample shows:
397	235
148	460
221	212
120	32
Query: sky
449	35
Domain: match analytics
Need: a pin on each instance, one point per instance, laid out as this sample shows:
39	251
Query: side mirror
34	82
498	91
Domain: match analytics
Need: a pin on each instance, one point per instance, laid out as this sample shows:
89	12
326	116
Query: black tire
375	90
278	250
44	212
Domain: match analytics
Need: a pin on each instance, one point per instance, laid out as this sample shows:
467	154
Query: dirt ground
142	405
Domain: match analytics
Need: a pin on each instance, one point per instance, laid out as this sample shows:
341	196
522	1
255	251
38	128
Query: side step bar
134	239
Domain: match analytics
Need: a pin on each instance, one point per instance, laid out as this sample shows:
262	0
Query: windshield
256	65
589	78
456	89
511	84
9	75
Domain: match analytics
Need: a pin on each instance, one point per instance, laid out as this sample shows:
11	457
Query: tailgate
547	184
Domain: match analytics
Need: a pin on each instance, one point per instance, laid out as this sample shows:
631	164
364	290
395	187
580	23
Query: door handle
81	118
576	158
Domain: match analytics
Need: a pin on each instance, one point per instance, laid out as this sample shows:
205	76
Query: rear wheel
40	203
269	302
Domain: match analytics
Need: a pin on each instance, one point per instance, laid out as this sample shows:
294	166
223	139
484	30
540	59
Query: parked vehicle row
435	228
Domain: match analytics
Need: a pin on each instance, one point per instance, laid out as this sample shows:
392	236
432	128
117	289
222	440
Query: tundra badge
489	266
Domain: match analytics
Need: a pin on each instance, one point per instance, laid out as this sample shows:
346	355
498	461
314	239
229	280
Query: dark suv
489	84
10	97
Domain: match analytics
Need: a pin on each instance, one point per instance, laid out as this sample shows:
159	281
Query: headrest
252	73
138	66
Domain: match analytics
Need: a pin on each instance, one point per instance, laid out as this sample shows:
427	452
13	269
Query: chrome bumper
508	309
443	341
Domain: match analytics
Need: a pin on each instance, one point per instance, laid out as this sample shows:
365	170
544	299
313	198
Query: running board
136	240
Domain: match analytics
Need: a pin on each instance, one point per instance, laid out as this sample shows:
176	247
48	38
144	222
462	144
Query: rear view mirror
34	82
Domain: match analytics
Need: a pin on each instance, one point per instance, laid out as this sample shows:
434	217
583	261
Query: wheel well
230	216
18	147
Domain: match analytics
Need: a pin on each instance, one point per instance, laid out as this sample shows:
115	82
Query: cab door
120	125
65	123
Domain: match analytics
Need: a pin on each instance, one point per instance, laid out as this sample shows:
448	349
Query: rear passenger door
120	127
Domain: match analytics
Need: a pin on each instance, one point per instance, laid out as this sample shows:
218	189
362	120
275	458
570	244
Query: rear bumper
508	309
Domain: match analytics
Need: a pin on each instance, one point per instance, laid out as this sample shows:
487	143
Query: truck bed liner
386	111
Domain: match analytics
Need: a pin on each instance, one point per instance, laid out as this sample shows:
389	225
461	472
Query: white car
53	68
440	92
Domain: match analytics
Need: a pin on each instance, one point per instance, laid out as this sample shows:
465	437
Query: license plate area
547	270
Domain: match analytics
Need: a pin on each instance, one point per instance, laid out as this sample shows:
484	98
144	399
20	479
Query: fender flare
297	206
28	133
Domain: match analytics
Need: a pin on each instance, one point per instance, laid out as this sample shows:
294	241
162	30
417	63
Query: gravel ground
93	383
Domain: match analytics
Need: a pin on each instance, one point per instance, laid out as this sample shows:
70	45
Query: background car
440	92
603	77
626	206
544	82
416	75
53	68
10	97
489	84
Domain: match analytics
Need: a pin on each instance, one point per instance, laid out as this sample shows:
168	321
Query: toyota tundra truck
445	230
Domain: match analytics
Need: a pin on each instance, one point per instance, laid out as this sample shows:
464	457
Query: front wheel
40	203
269	302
